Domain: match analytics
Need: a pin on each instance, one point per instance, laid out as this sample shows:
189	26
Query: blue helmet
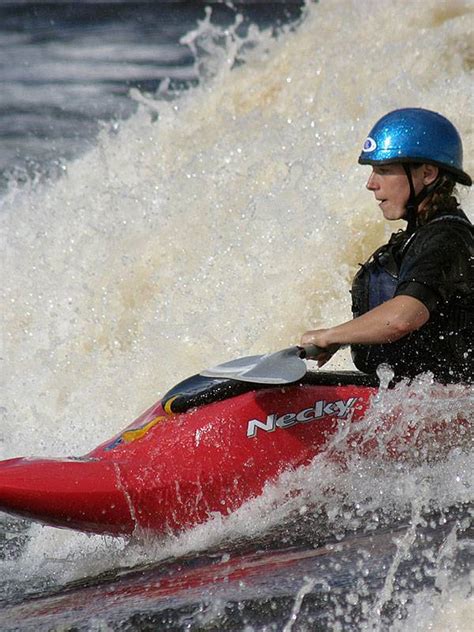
415	135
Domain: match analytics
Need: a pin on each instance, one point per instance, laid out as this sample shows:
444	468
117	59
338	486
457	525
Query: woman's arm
386	323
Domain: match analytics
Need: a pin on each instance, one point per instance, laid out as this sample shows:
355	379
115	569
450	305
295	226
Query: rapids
219	222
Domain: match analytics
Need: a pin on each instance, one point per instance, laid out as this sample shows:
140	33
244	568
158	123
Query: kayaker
413	300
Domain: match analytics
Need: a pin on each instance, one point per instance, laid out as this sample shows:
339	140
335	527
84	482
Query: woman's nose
372	182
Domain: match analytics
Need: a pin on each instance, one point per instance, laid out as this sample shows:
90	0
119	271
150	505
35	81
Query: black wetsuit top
435	264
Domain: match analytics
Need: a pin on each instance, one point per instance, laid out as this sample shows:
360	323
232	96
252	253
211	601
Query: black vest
444	345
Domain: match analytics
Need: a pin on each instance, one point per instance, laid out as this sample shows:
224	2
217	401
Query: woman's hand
320	338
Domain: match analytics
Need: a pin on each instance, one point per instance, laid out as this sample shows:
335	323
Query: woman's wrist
320	337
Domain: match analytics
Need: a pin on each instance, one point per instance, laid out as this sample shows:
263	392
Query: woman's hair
442	198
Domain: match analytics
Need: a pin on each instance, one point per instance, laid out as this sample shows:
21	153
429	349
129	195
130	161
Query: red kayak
208	446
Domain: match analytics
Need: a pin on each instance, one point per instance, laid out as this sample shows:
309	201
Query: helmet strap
415	200
412	205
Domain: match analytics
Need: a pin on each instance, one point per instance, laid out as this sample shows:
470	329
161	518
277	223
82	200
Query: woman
413	301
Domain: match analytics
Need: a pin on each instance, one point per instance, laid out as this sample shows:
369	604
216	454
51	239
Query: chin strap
415	200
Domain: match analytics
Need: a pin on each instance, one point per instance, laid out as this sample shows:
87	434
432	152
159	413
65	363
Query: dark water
66	68
282	582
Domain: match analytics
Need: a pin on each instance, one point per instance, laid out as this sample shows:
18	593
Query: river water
168	205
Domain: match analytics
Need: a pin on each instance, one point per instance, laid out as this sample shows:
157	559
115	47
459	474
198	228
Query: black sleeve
435	264
423	293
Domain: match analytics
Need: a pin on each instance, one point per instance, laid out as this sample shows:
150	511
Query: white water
227	227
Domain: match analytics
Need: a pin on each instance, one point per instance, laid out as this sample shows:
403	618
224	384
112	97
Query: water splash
225	224
306	588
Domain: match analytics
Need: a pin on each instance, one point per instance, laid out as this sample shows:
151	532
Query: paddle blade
282	367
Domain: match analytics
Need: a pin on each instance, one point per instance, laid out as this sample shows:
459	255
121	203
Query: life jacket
376	282
377	279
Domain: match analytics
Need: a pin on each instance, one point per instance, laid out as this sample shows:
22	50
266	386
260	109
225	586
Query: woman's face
389	184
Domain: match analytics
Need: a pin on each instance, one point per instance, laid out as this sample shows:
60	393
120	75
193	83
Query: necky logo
321	408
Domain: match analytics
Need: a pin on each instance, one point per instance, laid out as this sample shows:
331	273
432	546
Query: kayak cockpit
199	390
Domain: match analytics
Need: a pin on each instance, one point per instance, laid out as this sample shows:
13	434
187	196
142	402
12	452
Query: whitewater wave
215	223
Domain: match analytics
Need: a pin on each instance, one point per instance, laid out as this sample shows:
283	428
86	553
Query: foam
221	223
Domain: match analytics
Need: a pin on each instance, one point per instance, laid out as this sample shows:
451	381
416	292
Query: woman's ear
430	173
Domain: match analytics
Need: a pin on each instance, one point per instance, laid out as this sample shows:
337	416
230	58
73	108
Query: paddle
282	367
